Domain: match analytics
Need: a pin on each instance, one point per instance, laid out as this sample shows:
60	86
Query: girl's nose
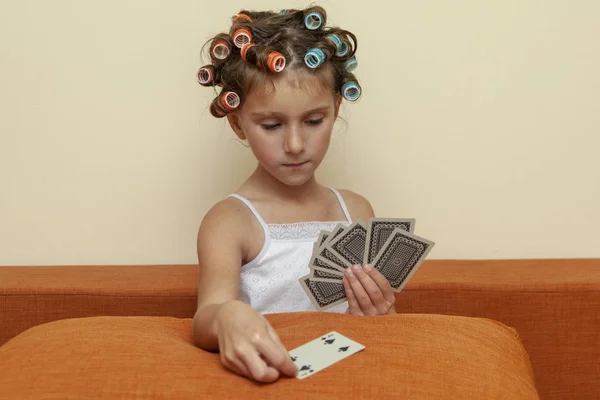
294	142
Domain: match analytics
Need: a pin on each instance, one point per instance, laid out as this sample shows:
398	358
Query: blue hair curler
342	47
283	12
351	64
313	20
351	91
314	58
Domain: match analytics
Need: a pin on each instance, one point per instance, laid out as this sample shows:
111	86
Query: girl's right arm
245	340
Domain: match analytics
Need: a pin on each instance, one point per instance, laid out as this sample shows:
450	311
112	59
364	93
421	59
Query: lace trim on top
301	230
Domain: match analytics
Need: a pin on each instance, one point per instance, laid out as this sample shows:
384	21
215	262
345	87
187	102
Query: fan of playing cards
388	244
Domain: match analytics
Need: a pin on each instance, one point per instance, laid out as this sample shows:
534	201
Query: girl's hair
262	44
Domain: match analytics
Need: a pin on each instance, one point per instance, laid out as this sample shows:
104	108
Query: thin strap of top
264	224
342	204
253	209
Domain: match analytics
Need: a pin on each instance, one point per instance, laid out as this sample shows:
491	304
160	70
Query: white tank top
270	282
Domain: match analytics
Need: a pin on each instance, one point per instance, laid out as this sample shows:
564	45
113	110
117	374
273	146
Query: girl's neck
271	187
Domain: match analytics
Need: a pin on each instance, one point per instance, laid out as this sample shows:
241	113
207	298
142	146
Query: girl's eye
270	127
314	122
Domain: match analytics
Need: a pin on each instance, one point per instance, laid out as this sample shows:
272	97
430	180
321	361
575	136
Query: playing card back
379	231
401	256
349	246
323	295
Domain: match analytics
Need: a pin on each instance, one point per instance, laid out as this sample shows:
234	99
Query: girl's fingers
257	367
360	291
371	287
353	306
382	283
280	357
236	365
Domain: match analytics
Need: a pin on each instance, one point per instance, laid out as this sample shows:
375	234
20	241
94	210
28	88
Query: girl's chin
294	178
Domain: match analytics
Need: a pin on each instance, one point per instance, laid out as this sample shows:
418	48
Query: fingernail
349	272
356	268
368	267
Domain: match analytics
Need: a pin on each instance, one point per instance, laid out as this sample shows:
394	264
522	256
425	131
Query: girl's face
288	128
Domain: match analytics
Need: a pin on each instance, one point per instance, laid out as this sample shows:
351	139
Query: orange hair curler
220	49
276	61
230	100
245	49
206	75
241	37
241	16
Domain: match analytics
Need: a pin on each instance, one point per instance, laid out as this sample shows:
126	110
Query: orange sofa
465	329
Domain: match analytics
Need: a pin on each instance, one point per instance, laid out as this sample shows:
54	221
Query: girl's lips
296	165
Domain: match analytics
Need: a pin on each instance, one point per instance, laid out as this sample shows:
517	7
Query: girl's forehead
298	84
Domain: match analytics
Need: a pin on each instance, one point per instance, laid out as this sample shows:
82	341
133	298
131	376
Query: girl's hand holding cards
368	292
249	346
387	245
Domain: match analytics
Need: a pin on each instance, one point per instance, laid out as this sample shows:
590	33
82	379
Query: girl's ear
234	122
338	103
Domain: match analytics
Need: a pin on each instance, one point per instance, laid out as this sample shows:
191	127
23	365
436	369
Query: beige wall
480	119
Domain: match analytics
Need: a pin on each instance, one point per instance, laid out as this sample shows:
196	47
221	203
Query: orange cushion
407	356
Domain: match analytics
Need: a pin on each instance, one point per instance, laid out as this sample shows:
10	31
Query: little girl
283	77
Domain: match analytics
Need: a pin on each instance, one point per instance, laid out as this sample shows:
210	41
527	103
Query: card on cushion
378	232
323	295
400	257
323	352
349	246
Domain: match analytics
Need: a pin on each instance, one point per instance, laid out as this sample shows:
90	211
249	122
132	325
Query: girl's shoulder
358	205
230	225
228	213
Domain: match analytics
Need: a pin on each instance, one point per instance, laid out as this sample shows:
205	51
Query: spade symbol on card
294	358
343	349
328	341
305	368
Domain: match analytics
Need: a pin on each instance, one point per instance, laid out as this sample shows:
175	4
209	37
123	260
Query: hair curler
351	64
341	46
230	100
351	91
313	20
206	75
314	58
220	49
276	61
241	37
239	16
244	50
